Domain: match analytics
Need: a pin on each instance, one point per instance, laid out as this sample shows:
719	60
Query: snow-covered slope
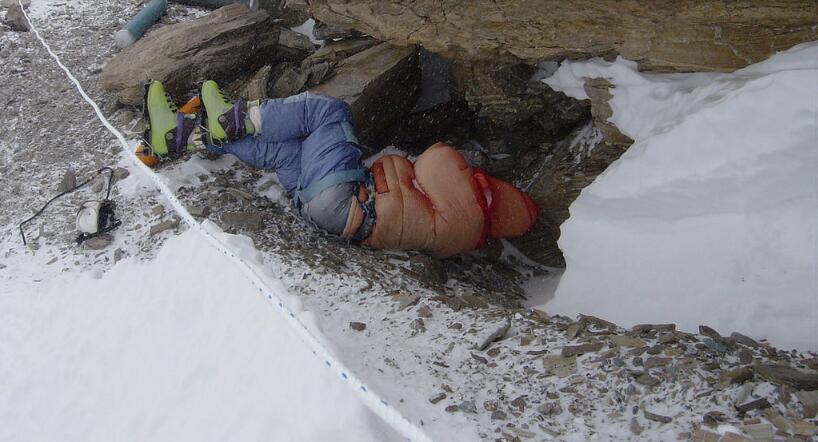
148	352
711	217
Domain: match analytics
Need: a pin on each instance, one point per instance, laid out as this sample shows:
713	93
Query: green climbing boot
168	130
225	120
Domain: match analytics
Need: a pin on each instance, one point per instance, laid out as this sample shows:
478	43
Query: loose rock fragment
784	374
656	362
635	428
69	181
498	415
494	334
437	398
550	409
406	300
575	350
713	418
98	242
357	326
560	366
809	400
757	404
468	407
759	432
417	326
657	417
737	376
646	379
744	340
199	211
424	311
626	341
475	301
519	403
479	358
243	220
647	328
163	226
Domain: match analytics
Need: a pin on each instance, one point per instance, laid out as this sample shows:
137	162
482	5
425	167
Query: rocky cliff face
666	35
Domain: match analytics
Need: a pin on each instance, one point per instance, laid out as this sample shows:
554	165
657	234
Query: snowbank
178	348
711	217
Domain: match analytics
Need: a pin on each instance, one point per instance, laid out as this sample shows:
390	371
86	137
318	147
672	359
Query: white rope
371	399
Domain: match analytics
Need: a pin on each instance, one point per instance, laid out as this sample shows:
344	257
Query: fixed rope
371	399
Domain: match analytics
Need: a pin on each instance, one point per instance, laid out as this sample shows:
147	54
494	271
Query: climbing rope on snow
371	399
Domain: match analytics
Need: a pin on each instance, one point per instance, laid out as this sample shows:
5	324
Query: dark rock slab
380	85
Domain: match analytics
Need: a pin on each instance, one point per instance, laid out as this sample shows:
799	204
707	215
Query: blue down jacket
307	138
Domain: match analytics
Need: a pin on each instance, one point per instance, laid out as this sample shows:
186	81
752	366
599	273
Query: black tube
40	212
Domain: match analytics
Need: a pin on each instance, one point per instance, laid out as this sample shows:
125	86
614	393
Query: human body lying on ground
439	204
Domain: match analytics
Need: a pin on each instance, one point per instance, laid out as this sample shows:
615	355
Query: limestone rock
228	41
380	85
665	35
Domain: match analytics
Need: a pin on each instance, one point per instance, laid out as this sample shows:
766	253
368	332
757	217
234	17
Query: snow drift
178	348
711	217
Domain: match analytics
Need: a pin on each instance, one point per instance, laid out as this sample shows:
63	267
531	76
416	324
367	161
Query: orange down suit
443	206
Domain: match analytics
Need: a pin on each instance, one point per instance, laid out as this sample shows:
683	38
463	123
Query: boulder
15	18
294	12
293	46
380	84
515	111
287	80
230	41
664	35
256	87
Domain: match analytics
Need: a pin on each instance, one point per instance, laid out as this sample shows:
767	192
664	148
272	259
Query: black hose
66	192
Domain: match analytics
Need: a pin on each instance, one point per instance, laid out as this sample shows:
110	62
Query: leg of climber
331	172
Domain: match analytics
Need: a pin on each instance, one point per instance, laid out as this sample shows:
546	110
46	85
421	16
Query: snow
143	353
306	29
711	217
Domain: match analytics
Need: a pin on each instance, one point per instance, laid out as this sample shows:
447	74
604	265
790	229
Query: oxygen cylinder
138	25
